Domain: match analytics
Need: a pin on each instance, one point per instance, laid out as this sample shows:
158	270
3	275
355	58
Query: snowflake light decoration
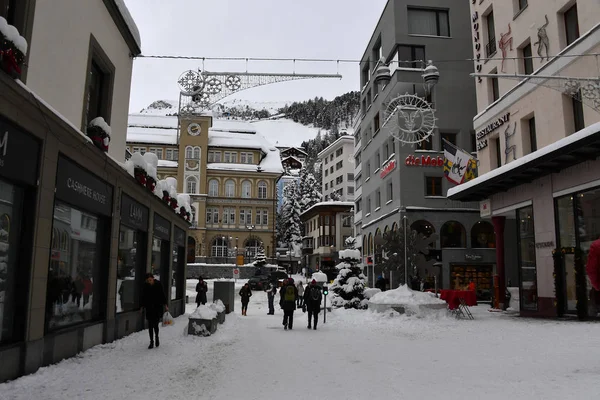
409	119
233	83
190	83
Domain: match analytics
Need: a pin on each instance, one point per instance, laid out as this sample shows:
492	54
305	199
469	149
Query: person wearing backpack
312	303
288	295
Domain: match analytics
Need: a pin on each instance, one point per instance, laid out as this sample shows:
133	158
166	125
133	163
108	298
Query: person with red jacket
593	264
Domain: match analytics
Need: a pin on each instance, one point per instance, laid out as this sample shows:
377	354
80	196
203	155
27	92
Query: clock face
194	129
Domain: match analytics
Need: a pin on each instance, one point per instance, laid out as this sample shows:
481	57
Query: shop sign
134	214
477	41
473	257
424	161
387	168
162	227
82	189
19	154
485	208
483	143
179	237
544	245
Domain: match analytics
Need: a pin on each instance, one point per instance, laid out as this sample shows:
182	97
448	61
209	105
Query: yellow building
230	172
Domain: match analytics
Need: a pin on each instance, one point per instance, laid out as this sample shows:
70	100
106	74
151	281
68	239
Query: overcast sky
331	29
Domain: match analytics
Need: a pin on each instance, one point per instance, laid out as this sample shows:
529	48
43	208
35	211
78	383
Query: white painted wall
59	57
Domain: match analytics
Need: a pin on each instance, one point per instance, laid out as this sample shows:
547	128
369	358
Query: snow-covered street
355	355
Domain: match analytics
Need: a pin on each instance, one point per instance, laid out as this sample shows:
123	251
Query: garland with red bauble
11	55
183	213
150	183
140	175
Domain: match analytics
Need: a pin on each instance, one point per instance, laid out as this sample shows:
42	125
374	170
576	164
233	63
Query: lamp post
405	220
250	227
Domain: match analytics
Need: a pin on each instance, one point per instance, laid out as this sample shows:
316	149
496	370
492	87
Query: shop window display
527	261
10	219
131	248
74	269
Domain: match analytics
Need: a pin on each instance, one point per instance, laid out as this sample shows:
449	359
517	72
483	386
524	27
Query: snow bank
371	292
319	277
204	312
350	253
405	296
218	306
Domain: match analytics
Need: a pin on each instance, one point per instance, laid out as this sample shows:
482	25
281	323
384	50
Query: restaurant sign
424	161
387	168
482	143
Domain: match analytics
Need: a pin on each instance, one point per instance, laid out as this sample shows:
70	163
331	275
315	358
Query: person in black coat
271	292
287	301
153	302
313	295
201	289
245	294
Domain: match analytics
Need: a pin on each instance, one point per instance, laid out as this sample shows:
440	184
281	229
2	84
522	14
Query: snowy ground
355	355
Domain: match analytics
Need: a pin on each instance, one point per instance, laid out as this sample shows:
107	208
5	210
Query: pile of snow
352	254
319	277
101	123
412	301
171	187
370	292
218	306
204	312
12	35
183	200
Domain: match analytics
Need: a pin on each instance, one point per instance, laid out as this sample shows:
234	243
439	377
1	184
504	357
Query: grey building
397	182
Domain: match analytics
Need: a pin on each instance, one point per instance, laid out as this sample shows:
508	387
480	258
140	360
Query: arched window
213	188
424	228
193	214
364	245
395	226
230	188
453	235
262	190
55	239
483	235
191	185
370	247
64	241
246	189
251	247
196	153
189	152
219	247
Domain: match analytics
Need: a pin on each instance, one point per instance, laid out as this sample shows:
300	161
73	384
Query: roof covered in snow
131	26
167	164
340	206
339	142
569	151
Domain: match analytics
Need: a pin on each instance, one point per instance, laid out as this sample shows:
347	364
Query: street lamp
405	220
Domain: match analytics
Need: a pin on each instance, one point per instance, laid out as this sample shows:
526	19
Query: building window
426	144
350	190
262	217
219	247
339	165
262	190
213	188
453	235
368	168
411	56
428	22
571	24
326	186
227	157
169	155
527	60
246	189
212	215
522	4
526	257
358	205
378	160
229	188
246	158
490	47
229	216
365	76
211	156
532	136
483	236
331	169
494	88
378	199
72	296
498	154
191	185
390	191
339	152
350	177
196	153
130	267
189	152
347	220
578	119
246	216
433	186
376	122
368	204
339	180
449	137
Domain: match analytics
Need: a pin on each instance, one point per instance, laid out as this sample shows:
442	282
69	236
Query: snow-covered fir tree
260	259
291	211
308	192
334	196
348	288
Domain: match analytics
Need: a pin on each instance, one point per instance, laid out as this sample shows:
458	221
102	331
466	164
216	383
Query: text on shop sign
86	191
136	213
481	142
162	229
387	168
424	161
477	41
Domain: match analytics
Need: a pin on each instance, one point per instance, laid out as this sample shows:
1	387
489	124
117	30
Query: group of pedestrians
292	296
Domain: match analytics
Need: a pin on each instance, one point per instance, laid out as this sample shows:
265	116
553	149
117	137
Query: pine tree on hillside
348	288
291	215
260	260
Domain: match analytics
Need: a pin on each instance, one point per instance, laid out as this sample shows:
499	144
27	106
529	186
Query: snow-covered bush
349	286
261	259
13	48
99	131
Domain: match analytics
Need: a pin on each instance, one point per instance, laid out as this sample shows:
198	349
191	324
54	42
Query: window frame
98	57
437	183
566	16
263	186
230	188
210	188
438	12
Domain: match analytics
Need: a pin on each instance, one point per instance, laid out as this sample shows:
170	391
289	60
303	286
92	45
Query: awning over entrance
577	148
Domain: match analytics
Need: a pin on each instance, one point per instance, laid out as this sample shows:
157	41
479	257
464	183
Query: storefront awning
572	150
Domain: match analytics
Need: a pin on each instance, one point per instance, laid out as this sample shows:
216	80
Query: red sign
387	168
424	161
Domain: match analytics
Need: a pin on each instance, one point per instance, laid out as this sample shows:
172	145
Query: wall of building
67	50
346	144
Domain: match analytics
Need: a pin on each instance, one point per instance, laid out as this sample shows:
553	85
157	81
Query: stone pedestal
202	327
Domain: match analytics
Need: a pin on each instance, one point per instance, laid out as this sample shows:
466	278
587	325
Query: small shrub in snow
261	259
349	286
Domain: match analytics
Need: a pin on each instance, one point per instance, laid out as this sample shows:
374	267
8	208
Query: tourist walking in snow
287	301
201	289
300	288
153	302
271	292
312	303
245	294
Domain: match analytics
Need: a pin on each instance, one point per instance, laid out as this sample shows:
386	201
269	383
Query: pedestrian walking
201	289
245	294
312	303
300	288
287	302
271	292
154	303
